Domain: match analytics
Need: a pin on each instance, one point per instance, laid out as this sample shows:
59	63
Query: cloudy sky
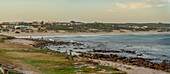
86	10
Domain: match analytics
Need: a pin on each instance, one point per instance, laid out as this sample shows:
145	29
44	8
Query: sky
109	11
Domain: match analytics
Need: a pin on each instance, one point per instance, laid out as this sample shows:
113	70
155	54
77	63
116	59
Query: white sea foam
156	46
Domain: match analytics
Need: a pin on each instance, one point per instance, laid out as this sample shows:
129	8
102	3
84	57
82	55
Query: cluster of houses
57	23
136	27
11	23
42	22
15	27
19	25
41	25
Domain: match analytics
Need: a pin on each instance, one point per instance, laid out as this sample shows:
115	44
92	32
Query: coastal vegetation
102	27
3	37
97	27
85	28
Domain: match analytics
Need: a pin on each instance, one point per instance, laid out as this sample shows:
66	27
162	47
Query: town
73	26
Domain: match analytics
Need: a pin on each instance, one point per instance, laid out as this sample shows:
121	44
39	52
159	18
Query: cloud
110	10
121	5
162	1
139	5
160	5
132	4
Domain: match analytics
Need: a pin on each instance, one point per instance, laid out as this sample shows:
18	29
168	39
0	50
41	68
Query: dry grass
36	56
13	46
22	58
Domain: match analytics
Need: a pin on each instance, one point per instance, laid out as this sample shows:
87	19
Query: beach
52	33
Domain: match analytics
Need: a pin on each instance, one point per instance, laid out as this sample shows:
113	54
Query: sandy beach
52	33
129	68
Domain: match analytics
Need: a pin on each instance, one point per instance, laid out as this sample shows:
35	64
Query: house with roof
42	27
22	27
75	23
8	26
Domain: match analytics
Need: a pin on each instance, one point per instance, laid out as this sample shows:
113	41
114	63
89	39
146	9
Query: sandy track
130	69
20	41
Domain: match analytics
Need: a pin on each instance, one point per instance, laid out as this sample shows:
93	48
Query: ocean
152	46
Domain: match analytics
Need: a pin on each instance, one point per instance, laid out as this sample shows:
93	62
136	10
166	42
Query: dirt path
131	69
20	41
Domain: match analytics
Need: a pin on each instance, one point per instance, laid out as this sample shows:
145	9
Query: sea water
152	46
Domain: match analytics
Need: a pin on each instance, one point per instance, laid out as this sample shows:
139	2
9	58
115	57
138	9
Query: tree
17	32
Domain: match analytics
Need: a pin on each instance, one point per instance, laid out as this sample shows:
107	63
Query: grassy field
20	58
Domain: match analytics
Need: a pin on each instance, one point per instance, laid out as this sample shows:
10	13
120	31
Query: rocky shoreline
43	43
140	62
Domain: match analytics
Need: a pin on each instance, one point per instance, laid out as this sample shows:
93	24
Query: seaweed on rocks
43	43
141	62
